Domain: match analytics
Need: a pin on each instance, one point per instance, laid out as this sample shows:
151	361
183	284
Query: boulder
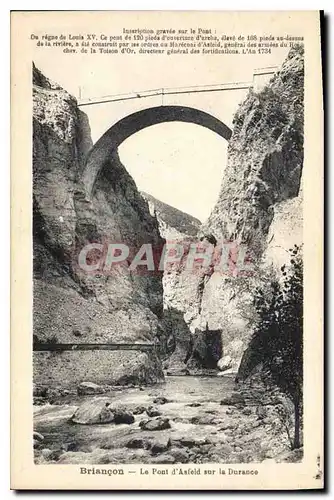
122	416
268	461
247	411
72	446
270	454
156	424
223	450
46	452
94	411
180	455
205	449
89	388
137	443
38	436
225	363
138	410
39	401
40	391
55	454
227	424
203	420
190	442
160	445
161	400
234	399
163	459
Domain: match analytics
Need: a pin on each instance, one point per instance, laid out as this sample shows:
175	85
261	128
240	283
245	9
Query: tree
278	337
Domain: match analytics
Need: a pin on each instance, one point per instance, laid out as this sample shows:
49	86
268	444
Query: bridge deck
165	91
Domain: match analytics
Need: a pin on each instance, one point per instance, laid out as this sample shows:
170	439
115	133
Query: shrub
278	337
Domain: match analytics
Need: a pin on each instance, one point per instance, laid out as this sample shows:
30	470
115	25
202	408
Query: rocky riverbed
185	420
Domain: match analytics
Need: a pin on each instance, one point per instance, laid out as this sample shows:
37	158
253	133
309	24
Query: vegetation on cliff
277	341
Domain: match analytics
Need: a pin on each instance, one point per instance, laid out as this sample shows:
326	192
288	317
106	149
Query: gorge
260	199
193	323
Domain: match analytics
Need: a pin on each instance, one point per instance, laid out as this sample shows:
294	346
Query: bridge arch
135	122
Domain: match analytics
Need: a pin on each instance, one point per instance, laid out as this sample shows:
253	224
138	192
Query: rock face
173	224
259	207
71	305
190	349
285	230
265	157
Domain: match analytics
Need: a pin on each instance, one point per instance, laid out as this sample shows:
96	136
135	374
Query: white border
4	185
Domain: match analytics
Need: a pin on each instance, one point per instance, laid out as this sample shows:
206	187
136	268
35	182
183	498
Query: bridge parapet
165	92
94	347
262	76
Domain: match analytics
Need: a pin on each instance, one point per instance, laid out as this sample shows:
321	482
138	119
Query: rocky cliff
259	207
70	305
181	287
265	158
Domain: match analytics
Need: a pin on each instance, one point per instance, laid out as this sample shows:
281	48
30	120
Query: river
202	430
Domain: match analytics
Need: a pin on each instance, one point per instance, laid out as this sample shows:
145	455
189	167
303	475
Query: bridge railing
50	346
165	91
220	87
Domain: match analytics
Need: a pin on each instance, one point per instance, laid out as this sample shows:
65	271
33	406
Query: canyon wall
259	207
181	287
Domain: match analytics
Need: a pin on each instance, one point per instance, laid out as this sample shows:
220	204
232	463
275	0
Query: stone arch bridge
112	119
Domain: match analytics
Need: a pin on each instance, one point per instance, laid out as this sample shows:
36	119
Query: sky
181	164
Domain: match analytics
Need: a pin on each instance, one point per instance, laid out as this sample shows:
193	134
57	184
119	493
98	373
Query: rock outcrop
72	305
259	207
190	349
173	223
265	158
